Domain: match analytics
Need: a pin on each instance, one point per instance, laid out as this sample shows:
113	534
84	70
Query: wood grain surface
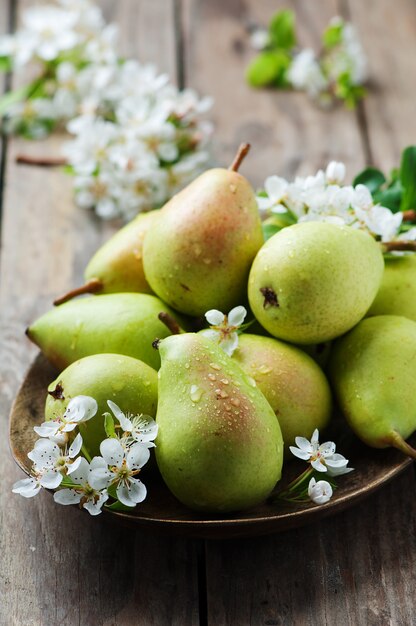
57	565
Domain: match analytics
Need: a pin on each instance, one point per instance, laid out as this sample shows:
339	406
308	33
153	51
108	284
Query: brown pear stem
171	323
239	157
398	442
92	286
26	159
399	246
409	216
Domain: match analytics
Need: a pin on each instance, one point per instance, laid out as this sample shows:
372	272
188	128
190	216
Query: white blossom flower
224	327
319	492
86	496
321	457
335	173
306	73
50	30
79	409
119	467
27	487
276	189
380	221
259	38
51	463
136	428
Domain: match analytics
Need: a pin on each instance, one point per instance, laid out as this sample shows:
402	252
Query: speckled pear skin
197	256
122	323
373	373
397	293
292	383
118	264
219	446
128	382
314	281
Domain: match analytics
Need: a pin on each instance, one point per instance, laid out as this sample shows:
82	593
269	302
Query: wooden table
58	565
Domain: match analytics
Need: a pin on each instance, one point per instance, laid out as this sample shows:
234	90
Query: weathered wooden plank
58	565
355	569
389	34
288	133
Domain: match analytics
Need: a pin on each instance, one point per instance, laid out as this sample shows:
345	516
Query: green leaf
282	30
268	68
333	35
391	197
109	426
273	224
118	506
5	64
371	178
408	178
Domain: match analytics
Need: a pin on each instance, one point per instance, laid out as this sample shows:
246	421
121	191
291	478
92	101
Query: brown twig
27	159
399	246
92	286
239	157
409	216
171	323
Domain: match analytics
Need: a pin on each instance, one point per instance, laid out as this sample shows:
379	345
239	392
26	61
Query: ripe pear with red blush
197	256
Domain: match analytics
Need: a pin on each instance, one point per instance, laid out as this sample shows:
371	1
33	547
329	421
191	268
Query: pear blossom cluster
137	139
325	197
339	71
60	461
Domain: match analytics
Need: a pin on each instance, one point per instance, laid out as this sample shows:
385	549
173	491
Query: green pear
373	372
197	256
219	446
397	293
292	383
128	382
120	323
314	281
118	265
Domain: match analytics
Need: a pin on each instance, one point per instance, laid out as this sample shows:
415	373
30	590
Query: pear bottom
128	382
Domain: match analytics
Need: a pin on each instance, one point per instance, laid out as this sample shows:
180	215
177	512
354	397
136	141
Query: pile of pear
332	324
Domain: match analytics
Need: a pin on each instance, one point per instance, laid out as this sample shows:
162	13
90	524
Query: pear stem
409	216
171	323
398	442
402	246
239	157
92	286
26	159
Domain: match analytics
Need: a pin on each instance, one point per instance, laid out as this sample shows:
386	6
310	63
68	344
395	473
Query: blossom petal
94	508
125	423
112	451
100	477
131	494
276	187
301	454
27	487
211	334
236	316
327	449
80	474
229	343
319	492
137	456
51	479
303	444
67	496
318	465
80	409
47	429
214	317
75	446
315	437
72	467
